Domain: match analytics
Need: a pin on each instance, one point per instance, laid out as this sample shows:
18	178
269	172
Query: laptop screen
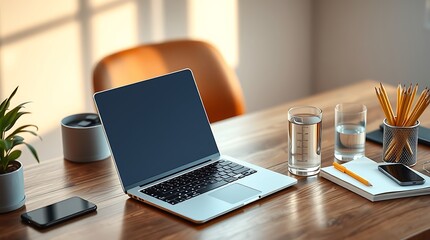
155	127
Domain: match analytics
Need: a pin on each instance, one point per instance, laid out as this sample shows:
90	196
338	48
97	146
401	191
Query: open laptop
166	155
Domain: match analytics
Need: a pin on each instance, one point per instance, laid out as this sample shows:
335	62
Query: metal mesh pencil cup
400	144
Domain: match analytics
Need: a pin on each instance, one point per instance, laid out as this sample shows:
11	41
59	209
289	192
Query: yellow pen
355	176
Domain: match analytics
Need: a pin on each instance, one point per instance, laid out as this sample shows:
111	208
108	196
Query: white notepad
383	187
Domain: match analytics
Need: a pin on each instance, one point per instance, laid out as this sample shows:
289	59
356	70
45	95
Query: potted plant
11	171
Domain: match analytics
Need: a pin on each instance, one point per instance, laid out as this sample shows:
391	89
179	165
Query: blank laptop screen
155	126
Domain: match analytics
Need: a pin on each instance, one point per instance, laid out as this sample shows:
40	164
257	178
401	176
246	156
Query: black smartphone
424	135
401	174
377	135
58	212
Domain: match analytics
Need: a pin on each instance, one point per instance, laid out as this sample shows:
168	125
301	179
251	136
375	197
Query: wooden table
314	208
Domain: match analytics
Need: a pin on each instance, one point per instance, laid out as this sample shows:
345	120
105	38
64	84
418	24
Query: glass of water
304	140
350	131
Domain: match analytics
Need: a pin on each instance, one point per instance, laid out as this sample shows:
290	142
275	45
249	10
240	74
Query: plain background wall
385	40
275	51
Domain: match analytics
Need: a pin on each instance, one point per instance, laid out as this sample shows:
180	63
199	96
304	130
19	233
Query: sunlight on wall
114	30
48	69
101	3
50	54
20	15
41	54
156	20
216	22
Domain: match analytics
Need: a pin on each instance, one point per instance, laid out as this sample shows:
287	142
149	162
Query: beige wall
49	48
275	51
385	40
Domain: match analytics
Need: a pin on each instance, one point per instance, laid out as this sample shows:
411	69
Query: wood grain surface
314	208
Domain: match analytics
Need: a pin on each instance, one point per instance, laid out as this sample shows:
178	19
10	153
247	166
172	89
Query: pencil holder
400	144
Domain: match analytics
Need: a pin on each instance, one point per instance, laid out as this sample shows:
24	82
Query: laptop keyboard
199	181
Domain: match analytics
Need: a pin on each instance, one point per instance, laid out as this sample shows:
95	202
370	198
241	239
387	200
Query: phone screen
401	174
58	212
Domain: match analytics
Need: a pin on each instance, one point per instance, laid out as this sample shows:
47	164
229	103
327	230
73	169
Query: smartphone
424	135
401	174
377	135
58	212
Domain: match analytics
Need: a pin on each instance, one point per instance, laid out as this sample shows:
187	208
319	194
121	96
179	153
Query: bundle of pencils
406	115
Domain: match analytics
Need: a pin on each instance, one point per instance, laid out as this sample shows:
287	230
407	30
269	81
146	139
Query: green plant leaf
2	153
23	129
4	164
5	104
12	116
17	140
6	144
15	109
2	145
17	116
14	155
33	151
3	150
26	131
8	119
3	107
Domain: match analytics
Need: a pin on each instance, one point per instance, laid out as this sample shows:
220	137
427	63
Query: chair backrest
218	85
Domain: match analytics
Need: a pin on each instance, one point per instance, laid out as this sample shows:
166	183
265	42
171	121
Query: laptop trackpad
235	193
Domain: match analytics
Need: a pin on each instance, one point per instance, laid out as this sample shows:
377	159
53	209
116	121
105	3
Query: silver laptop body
158	130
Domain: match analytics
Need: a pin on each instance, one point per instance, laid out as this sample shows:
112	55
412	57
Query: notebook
166	155
383	187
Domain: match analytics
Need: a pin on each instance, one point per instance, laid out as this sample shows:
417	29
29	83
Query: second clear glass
350	131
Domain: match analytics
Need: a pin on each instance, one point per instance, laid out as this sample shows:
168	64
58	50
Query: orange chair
218	85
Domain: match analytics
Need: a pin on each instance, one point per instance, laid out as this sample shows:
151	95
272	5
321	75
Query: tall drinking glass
350	131
304	140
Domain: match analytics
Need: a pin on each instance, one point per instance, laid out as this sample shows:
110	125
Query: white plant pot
12	190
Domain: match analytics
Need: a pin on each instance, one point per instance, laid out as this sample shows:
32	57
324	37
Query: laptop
166	155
